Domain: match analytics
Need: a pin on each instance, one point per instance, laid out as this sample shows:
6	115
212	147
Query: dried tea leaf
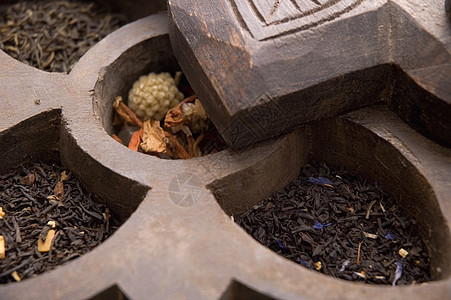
153	137
307	238
118	139
2	247
191	143
136	140
178	149
59	190
28	180
44	246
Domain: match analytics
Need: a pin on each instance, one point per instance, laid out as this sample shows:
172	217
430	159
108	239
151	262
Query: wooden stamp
263	67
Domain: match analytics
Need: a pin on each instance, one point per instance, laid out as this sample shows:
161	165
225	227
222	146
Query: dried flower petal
2	213
361	275
189	113
16	276
398	273
2	247
279	244
318	225
370	235
302	262
136	139
51	223
403	253
389	236
175	116
320	180
153	138
44	246
195	116
344	265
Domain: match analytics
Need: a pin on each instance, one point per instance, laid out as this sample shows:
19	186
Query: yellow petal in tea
2	247
45	246
403	253
16	276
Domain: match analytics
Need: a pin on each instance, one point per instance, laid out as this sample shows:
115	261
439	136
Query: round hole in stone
155	56
343	143
46	195
52	36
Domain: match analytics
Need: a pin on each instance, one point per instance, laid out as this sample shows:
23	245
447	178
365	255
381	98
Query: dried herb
53	35
41	230
337	224
184	132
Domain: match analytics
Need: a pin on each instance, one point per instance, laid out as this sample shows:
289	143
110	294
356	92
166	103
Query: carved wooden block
262	67
448	9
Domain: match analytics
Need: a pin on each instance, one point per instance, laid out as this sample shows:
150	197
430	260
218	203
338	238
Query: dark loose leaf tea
53	35
47	219
339	225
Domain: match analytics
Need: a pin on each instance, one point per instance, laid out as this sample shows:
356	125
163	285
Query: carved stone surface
263	67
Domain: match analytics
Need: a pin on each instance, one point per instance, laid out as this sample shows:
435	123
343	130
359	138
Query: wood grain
262	68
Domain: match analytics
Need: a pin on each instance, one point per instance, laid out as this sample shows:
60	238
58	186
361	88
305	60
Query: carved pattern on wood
267	19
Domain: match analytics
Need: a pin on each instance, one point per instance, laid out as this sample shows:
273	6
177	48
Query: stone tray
179	241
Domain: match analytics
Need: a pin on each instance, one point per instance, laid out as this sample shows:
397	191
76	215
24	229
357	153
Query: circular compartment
375	153
48	197
53	36
152	55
